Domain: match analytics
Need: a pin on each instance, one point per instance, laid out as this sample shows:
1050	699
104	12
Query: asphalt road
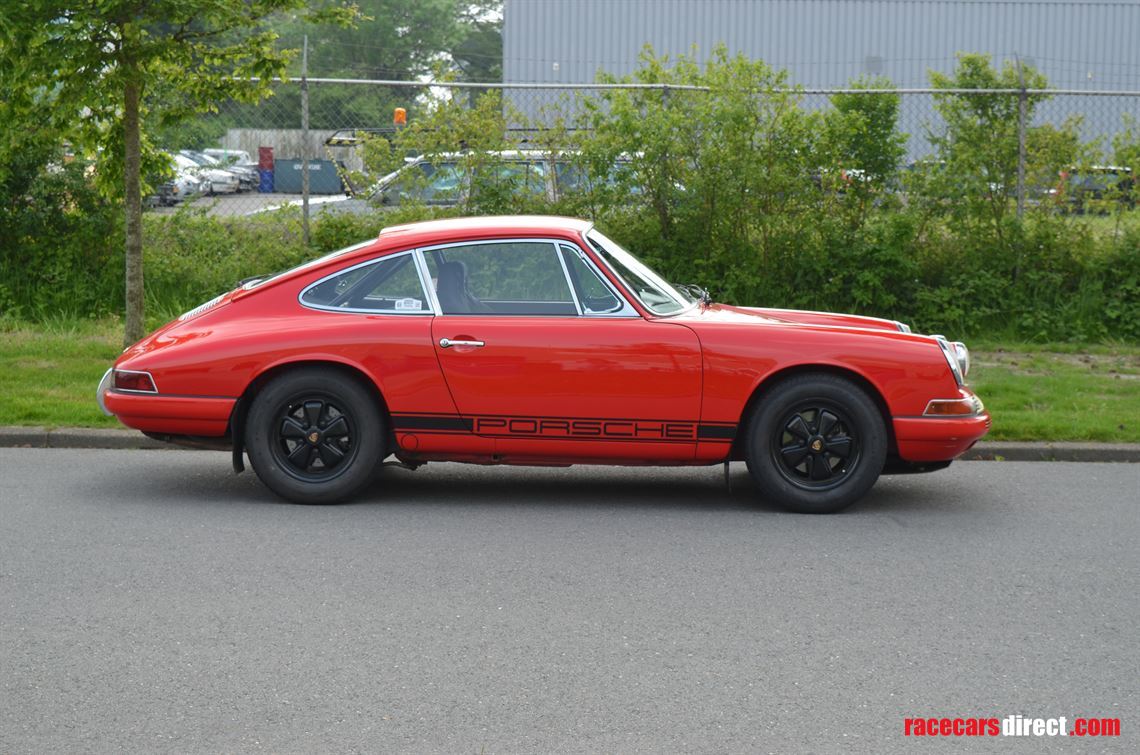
153	601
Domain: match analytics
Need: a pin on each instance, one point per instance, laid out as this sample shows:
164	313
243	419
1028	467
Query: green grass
48	374
1060	392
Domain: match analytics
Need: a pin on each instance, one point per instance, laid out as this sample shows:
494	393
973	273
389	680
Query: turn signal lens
129	380
954	407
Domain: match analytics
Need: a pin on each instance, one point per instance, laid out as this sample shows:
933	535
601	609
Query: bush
740	189
60	239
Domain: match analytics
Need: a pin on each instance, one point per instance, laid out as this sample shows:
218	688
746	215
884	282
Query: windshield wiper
696	292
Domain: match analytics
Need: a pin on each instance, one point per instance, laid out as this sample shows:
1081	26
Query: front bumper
938	438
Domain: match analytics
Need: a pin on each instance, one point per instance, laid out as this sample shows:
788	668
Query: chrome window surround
569	281
432	304
658	282
626	309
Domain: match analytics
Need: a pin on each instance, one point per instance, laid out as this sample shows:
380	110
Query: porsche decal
569	428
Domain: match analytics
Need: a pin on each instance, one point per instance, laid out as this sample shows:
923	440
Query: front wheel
315	435
816	444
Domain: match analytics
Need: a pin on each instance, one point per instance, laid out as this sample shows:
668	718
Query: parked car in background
230	156
443	180
1098	189
540	341
237	162
182	187
215	180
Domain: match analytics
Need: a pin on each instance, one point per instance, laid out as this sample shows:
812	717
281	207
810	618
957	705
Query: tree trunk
134	329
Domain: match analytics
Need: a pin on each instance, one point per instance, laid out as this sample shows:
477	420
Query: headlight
957	359
963	356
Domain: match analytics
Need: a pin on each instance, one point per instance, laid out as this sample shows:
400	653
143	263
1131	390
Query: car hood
744	315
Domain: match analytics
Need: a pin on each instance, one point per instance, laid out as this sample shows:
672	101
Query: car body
1097	189
538	340
181	187
442	180
215	180
236	162
230	156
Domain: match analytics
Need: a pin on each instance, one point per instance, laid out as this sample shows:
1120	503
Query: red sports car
537	340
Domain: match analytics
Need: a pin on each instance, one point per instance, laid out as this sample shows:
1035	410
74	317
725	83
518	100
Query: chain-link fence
302	146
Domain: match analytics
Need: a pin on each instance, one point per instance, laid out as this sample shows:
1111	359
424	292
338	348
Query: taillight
131	380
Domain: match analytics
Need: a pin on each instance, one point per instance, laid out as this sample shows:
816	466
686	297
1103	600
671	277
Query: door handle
447	343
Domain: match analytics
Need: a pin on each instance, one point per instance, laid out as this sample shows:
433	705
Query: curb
75	437
79	437
1061	451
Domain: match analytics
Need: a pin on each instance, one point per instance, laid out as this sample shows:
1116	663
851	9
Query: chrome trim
447	343
361	310
132	390
624	308
963	355
104	386
951	358
423	250
598	250
974	402
425	281
902	326
201	308
569	282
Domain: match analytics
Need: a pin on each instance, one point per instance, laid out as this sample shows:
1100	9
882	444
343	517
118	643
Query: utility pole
1021	107
305	140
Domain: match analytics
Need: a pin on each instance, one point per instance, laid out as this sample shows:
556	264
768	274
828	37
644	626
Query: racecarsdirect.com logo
1011	726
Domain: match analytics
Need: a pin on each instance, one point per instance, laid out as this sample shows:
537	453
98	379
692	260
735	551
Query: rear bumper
938	438
169	415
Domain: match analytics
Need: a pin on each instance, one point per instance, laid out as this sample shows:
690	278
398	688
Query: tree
863	130
89	71
979	147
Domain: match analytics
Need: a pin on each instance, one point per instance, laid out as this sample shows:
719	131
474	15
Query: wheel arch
260	380
770	381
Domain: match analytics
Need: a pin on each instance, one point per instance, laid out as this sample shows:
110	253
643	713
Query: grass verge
1057	392
48	373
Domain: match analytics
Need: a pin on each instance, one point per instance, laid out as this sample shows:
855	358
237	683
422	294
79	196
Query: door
524	367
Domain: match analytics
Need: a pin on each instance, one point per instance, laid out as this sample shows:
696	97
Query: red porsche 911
537	340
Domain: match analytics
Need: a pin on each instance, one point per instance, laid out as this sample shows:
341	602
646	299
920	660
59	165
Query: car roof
431	232
447	229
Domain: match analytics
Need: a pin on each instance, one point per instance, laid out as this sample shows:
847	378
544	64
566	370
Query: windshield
651	290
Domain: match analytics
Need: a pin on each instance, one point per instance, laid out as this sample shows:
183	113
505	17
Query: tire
315	435
797	437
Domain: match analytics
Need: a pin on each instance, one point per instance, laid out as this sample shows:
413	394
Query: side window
389	285
501	278
595	296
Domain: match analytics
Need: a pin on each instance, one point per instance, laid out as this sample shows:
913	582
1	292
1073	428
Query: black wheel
815	444
315	435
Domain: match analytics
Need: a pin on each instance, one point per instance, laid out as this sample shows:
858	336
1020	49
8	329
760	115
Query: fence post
305	140
1022	102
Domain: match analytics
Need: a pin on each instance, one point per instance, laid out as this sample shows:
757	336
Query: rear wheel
315	435
816	444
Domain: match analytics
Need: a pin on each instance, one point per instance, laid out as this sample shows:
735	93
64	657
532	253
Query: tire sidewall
860	410
366	420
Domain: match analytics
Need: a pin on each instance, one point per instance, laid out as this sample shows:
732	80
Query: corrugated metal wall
1076	43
